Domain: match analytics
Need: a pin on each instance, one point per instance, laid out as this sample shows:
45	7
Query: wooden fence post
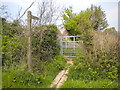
1	28
29	57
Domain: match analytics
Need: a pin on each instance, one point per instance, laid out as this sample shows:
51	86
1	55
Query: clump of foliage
92	18
105	52
19	77
85	69
13	43
44	43
88	73
92	84
16	77
57	64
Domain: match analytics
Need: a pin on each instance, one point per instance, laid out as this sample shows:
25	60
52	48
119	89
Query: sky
109	6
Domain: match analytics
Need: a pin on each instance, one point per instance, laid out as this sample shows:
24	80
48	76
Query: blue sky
109	6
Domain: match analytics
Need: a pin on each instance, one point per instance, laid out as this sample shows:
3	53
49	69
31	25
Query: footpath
62	76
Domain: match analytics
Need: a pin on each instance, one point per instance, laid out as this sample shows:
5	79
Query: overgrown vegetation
45	56
98	67
95	67
45	46
19	77
13	43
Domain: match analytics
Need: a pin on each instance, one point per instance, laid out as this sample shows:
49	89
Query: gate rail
69	45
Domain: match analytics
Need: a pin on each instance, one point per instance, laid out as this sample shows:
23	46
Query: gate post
61	46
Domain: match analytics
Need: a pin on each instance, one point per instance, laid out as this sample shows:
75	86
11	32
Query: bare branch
19	12
48	12
26	10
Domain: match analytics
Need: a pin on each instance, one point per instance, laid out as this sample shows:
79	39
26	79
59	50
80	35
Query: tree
76	24
91	18
48	12
3	11
98	18
70	22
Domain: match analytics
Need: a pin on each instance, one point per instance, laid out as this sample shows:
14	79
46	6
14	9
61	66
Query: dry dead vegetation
104	41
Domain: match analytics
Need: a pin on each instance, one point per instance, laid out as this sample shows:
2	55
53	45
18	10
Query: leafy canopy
92	18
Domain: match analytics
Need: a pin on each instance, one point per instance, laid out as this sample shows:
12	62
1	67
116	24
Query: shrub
88	69
44	42
13	43
101	62
102	83
20	78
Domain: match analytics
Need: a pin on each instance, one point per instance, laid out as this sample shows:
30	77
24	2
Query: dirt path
61	77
